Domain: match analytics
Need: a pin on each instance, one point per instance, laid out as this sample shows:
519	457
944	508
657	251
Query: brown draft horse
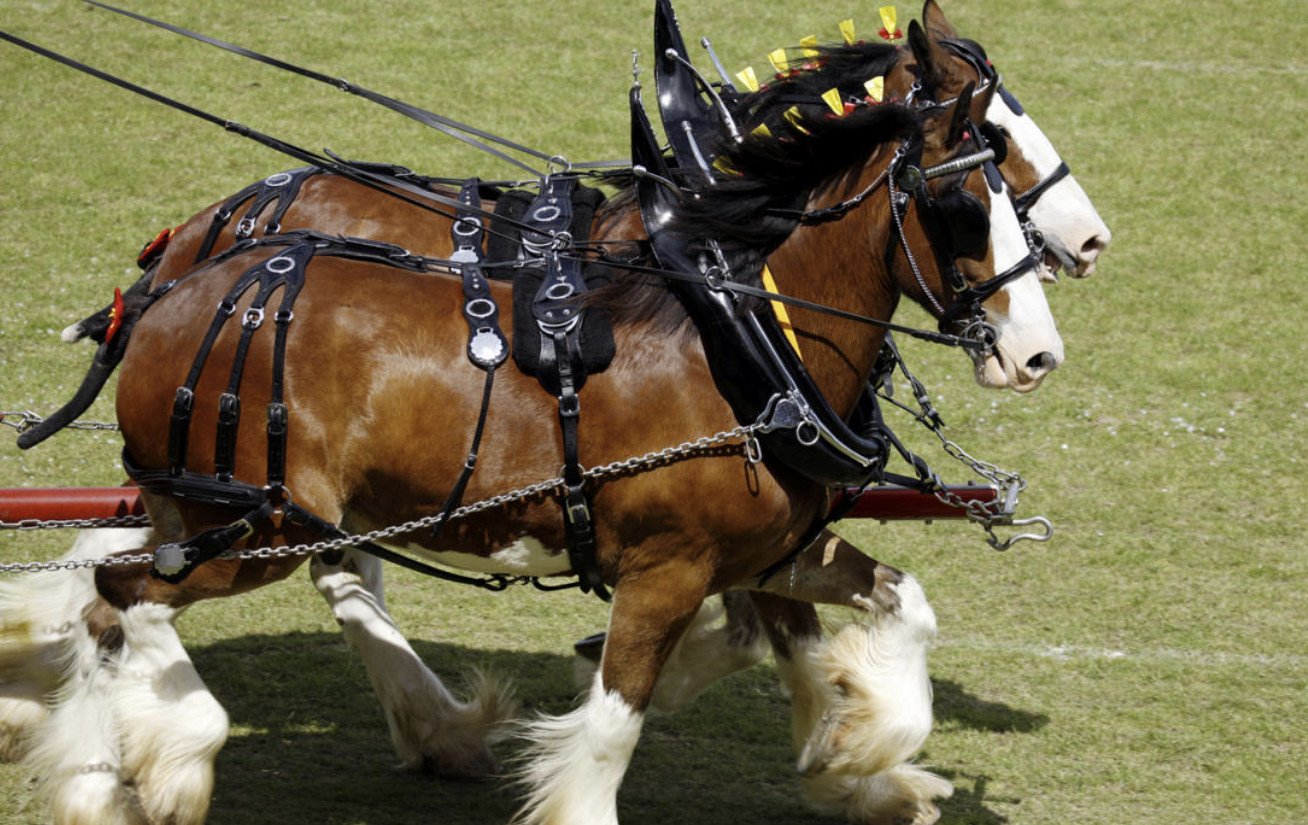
381	347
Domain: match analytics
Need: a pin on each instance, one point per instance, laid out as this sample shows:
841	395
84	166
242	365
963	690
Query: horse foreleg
577	761
862	698
430	728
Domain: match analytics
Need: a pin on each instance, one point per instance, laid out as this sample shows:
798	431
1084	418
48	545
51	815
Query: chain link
648	460
27	419
29	524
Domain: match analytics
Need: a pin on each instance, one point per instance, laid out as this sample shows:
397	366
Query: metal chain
27	419
29	524
636	464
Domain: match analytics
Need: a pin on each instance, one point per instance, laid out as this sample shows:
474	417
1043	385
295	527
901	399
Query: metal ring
557	292
553	212
559	164
480	308
467	227
279	179
282	263
253	318
799	433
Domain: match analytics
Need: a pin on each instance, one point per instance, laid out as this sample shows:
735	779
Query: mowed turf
1147	665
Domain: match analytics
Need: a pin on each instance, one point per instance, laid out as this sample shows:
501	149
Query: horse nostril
1091	248
1038	365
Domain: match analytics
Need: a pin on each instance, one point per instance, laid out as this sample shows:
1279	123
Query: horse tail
111	327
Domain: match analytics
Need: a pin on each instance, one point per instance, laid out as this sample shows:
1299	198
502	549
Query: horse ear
921	45
960	116
935	64
935	21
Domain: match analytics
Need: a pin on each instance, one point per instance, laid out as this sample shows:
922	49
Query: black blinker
995	140
966	221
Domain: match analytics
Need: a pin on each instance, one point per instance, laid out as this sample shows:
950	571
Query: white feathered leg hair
862	703
430	728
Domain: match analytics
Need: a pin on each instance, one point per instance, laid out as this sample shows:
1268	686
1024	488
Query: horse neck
842	265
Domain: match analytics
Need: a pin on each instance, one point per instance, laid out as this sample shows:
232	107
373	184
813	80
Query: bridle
975	56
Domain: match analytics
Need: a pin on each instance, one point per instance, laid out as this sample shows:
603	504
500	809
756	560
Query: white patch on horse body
527	556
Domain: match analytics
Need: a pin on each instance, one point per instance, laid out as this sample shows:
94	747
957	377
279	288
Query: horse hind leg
430	728
43	639
170	726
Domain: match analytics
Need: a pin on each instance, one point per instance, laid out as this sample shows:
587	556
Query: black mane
774	171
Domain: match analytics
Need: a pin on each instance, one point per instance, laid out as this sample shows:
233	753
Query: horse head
1048	197
982	270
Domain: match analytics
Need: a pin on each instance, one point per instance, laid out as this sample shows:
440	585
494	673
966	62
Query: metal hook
995	542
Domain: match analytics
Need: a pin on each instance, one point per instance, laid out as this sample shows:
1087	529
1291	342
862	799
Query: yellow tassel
762	130
876	88
783	317
809	45
777	57
847	32
747	78
889	16
793	118
833	99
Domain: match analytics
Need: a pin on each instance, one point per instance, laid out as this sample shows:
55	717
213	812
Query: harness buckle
253	318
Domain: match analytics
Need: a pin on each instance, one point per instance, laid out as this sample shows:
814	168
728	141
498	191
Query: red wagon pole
888	503
58	503
893	503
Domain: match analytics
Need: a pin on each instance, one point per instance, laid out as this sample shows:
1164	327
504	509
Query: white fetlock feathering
863	710
577	761
43	638
170	725
75	756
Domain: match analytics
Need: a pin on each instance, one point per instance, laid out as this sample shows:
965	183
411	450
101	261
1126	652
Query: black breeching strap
282	187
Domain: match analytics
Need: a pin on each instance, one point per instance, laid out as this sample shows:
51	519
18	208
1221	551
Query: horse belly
526	556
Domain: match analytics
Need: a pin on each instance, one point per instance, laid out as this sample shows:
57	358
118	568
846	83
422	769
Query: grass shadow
309	742
954	704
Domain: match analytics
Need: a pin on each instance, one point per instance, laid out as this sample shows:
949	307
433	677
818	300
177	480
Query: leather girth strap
560	318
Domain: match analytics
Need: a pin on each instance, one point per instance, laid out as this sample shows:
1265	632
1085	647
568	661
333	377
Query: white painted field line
1203	658
1187	66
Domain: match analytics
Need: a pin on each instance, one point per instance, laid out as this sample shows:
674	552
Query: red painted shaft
50	503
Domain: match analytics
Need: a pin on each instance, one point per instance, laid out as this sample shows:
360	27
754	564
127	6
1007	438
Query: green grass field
1148	665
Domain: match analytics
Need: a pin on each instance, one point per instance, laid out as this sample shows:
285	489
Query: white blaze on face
1070	223
1029	346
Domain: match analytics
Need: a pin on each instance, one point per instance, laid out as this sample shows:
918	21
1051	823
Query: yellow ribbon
783	317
